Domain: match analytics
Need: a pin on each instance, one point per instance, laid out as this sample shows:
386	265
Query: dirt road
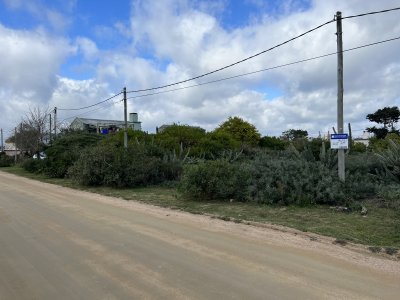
59	243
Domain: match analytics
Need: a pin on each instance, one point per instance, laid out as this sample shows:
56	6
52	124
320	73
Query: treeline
232	163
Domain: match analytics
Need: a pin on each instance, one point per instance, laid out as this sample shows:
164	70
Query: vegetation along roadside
233	173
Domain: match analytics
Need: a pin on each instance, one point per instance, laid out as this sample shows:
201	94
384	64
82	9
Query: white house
364	139
105	126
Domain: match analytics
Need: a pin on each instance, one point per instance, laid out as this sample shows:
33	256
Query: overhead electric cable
259	53
93	110
266	69
371	13
80	108
237	62
233	64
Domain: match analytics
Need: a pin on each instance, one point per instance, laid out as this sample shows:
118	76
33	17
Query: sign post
340	141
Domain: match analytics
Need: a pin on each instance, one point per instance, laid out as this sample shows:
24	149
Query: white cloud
194	42
30	61
88	48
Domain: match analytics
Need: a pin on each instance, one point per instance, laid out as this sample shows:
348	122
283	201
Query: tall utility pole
15	144
55	122
126	121
2	144
341	166
50	128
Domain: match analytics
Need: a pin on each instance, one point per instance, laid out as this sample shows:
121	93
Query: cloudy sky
75	53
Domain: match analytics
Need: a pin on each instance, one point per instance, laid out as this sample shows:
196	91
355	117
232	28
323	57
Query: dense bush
294	181
115	166
390	160
5	160
390	195
363	163
65	150
266	179
33	165
215	179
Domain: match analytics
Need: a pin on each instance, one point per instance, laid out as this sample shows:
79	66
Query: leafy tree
240	130
388	116
176	135
214	143
294	134
273	143
66	150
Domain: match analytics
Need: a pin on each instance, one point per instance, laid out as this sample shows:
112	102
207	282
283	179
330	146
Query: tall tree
32	131
294	134
388	116
240	130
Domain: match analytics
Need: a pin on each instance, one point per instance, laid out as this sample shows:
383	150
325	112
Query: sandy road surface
59	243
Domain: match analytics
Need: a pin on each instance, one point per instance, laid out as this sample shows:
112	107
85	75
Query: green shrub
218	179
363	163
390	159
115	166
390	195
358	148
5	160
294	181
65	150
33	165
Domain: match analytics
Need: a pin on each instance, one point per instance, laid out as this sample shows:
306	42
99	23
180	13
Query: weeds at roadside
391	251
340	242
375	249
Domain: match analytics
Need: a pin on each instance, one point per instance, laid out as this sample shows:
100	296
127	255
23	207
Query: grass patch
380	228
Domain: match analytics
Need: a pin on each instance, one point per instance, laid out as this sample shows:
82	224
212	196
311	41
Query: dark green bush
33	165
211	180
363	163
115	166
5	160
390	160
294	181
65	150
389	195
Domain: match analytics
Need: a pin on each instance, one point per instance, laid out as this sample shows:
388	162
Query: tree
240	130
294	134
273	143
176	135
388	116
32	131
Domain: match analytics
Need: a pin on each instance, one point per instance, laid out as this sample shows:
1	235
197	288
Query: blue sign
339	136
340	141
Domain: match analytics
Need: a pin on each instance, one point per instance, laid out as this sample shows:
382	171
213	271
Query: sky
71	54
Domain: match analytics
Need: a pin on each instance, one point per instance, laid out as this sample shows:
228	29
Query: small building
364	139
10	149
162	128
105	126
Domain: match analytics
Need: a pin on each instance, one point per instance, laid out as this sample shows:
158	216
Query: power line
235	63
259	53
371	13
80	108
93	110
266	69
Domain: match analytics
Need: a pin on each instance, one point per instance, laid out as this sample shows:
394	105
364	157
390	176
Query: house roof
96	122
9	146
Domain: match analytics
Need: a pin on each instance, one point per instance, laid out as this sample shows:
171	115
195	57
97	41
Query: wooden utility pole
50	128
15	144
126	121
341	166
55	122
2	144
